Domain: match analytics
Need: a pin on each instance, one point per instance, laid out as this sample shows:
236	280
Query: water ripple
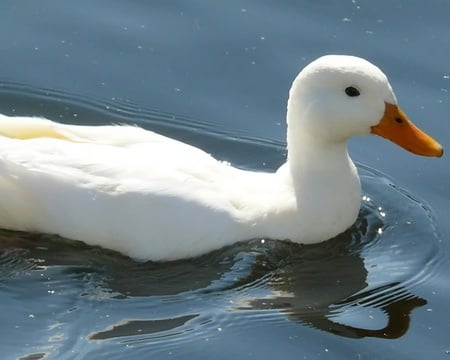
74	108
359	284
335	286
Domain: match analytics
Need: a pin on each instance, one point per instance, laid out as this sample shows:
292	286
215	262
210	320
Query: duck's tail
24	128
29	128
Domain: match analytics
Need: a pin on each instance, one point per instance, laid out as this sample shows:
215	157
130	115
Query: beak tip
434	150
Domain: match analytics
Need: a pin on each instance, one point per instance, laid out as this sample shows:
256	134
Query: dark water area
216	75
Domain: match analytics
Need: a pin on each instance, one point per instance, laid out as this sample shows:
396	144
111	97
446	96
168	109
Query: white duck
155	198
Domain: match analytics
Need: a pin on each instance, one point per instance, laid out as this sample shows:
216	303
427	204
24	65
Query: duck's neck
325	194
308	159
326	185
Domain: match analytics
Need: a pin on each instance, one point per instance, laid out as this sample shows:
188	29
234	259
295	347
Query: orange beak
396	126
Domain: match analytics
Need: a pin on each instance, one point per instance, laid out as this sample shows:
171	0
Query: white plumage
155	198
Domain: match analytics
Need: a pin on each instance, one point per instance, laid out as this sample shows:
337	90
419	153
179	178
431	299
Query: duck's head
336	97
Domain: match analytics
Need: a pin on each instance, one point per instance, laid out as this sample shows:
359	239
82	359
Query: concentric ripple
64	296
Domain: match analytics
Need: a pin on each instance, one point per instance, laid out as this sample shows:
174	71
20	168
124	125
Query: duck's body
152	197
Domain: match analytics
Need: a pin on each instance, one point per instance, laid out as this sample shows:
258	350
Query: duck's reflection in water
312	284
319	286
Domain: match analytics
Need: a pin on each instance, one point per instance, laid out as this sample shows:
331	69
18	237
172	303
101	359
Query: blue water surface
216	74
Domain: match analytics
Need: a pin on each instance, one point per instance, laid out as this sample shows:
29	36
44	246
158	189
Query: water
216	75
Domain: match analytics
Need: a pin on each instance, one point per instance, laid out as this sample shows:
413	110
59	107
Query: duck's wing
121	156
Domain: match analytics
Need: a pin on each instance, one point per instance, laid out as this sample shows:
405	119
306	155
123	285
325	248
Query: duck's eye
351	91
